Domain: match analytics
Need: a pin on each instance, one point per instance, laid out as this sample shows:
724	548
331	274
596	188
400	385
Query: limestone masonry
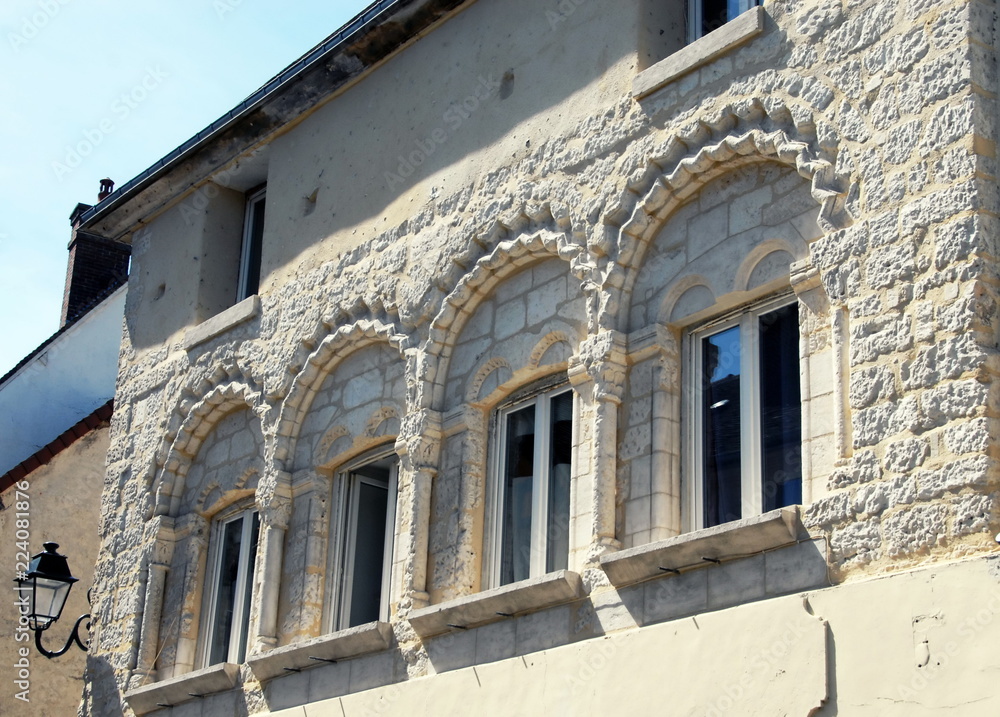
563	309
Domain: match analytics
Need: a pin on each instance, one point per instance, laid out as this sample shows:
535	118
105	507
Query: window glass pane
721	426
225	594
369	547
254	238
715	14
781	408
515	556
250	551
560	453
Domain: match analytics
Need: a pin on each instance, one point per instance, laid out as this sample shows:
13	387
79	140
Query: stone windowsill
737	539
343	644
700	52
235	315
167	693
492	605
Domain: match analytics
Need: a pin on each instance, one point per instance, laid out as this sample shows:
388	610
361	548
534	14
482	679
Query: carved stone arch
225	381
543	346
384	415
507	258
490	368
680	288
207	504
199	420
752	260
738	135
319	364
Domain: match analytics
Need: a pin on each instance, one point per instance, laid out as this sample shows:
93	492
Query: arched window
745	428
230	577
364	530
531	476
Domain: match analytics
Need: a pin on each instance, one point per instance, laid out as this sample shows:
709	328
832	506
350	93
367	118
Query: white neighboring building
62	381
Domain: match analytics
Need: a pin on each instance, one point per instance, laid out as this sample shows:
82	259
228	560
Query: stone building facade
526	357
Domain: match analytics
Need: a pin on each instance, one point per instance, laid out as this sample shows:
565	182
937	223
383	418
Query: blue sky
131	79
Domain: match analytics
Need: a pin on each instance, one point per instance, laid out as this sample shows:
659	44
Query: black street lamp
47	583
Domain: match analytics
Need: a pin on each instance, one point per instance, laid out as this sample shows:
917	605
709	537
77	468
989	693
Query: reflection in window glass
515	561
780	408
233	587
368	528
366	587
535	486
560	452
748	405
721	427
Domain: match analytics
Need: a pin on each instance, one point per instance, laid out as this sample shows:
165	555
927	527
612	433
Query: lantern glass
48	597
47	583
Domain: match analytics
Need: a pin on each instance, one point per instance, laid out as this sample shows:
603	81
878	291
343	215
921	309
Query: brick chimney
107	187
97	266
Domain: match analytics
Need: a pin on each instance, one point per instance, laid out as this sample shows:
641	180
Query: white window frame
751	482
541	399
239	638
696	18
253	198
345	536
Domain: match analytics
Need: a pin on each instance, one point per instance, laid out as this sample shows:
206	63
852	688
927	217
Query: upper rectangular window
707	15
533	457
745	435
253	233
365	557
232	559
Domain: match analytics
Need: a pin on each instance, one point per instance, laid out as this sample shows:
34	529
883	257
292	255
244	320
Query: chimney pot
107	187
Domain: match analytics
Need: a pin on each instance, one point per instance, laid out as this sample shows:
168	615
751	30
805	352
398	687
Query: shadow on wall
438	104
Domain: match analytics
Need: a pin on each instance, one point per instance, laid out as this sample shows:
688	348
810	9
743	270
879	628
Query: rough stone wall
226	469
358	405
881	106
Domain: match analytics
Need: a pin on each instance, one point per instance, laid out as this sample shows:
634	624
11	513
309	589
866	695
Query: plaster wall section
49	504
440	119
218	264
809	652
185	262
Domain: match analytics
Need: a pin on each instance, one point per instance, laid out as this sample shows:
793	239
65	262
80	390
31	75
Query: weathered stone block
915	529
963	473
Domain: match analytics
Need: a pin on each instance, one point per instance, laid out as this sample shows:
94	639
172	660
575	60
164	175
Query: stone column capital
274	499
419	441
602	360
